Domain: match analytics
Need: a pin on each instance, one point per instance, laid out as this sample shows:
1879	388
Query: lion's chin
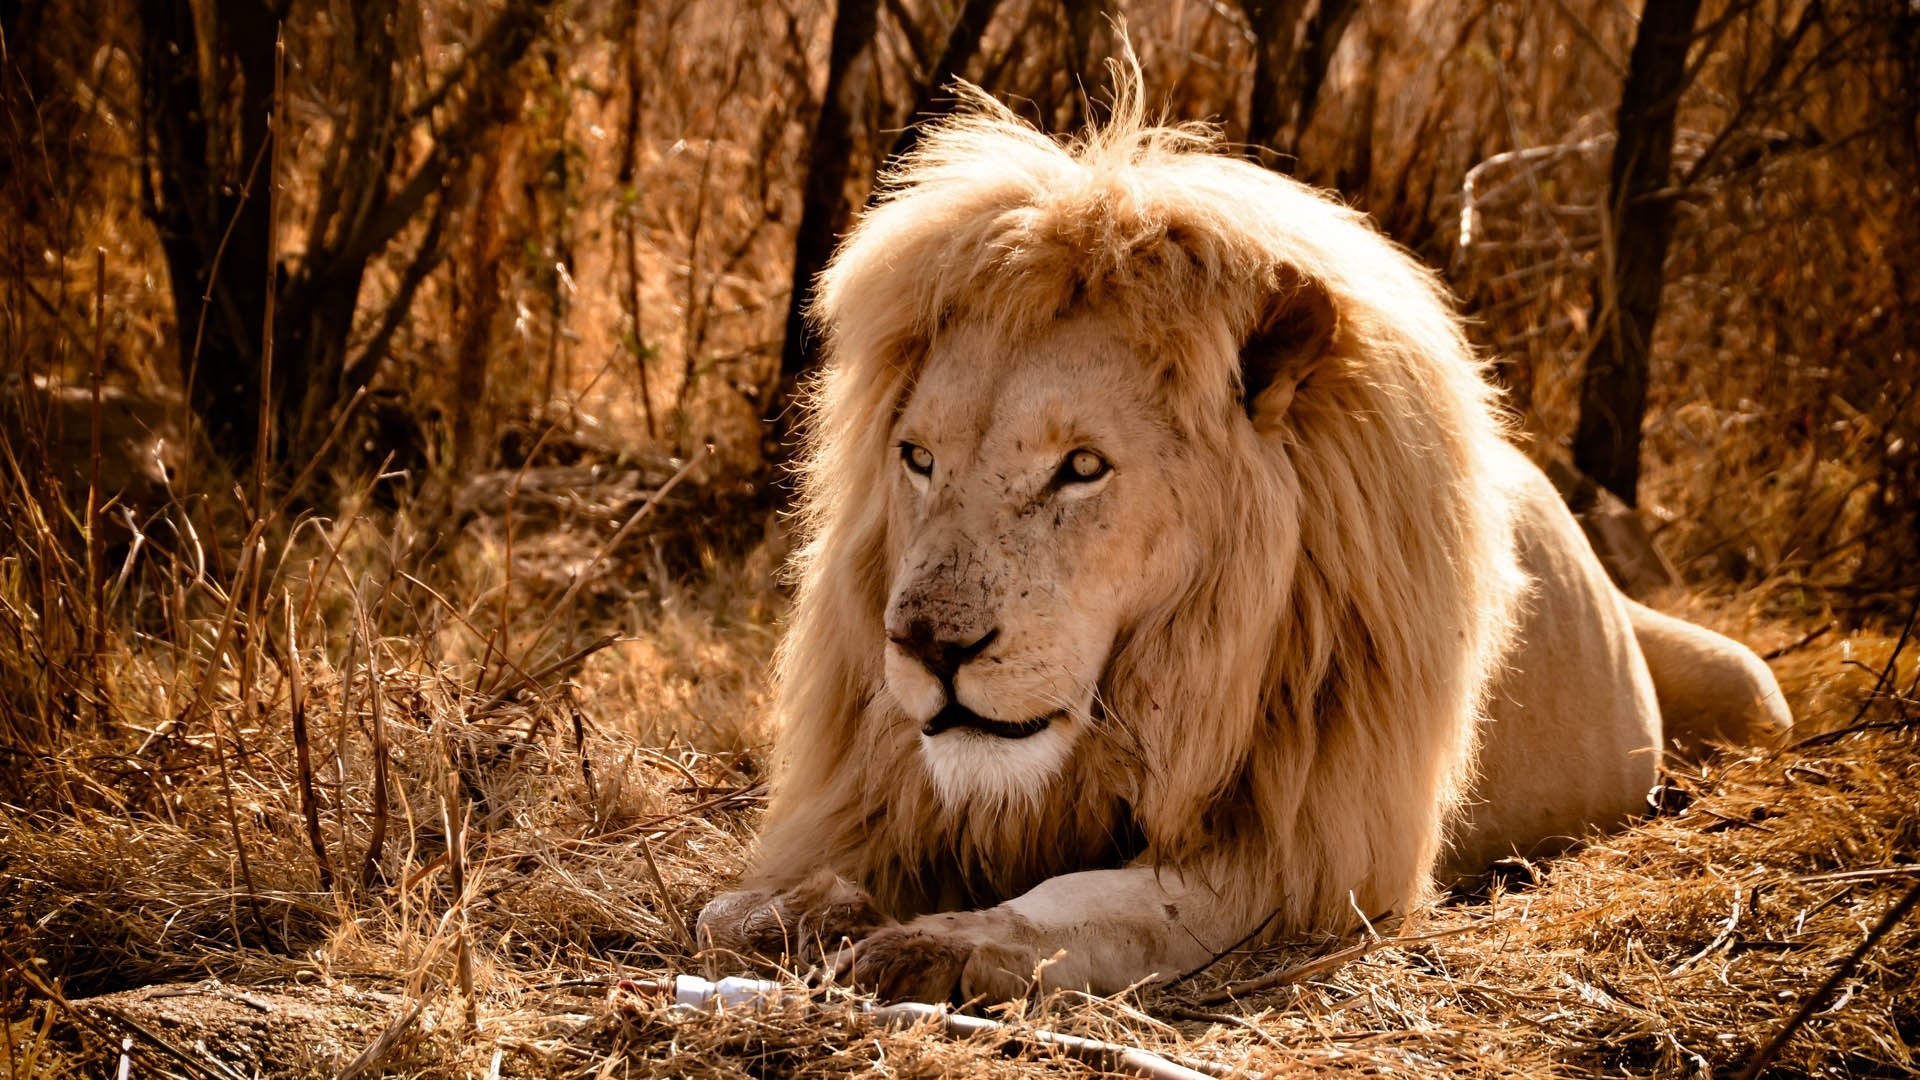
971	765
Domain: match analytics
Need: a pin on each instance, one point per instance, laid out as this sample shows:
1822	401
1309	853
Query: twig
1826	738
613	542
751	993
580	748
205	1065
1318	965
263	434
541	674
455	817
513	32
376	1052
249	564
1893	663
227	624
1204	1016
213	267
1226	952
1880	684
239	840
466	623
359	372
1725	934
96	543
86	1020
303	751
1908	870
1819	997
377	835
1290	975
1798	645
1101	1055
964	37
666	897
751	791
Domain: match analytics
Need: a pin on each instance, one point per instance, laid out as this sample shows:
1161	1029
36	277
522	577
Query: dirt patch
212	1027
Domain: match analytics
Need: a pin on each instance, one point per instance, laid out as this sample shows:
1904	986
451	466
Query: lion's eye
919	459
1083	467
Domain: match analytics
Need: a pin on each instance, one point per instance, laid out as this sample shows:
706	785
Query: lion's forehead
998	400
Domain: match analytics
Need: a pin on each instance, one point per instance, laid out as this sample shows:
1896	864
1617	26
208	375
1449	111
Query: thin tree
934	100
1294	42
203	188
1613	389
824	210
830	165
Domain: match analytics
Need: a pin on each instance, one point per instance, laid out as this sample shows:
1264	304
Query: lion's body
1571	737
1169	576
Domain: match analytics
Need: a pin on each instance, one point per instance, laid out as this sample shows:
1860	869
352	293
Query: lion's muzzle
958	716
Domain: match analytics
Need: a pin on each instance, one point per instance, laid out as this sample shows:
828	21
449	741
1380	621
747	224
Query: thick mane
1359	581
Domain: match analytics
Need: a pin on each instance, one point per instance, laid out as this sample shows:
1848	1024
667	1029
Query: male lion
1168	579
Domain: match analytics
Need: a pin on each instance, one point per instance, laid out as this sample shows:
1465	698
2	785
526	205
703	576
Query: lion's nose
938	649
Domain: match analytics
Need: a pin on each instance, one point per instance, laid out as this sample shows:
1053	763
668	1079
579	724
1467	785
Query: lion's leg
1099	930
1712	689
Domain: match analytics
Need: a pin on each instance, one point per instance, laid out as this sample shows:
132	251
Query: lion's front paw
955	958
810	919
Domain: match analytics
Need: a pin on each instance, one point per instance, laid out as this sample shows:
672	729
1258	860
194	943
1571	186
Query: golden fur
1283	722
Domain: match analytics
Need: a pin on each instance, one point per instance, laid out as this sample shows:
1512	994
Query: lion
1168	581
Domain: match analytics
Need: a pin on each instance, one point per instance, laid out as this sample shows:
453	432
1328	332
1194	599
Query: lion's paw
955	958
805	921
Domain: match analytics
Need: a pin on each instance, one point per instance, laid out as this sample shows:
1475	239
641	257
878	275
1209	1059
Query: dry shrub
622	245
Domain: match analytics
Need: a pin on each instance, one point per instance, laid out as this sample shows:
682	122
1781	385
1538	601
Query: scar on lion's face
1017	507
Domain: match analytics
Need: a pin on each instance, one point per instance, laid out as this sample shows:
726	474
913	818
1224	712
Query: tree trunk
963	41
824	212
1613	390
206	193
1087	50
1324	31
1275	31
1293	48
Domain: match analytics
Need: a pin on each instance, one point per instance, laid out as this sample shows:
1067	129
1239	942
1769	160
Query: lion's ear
1292	333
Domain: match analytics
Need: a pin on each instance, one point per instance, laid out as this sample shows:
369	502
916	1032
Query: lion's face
1030	525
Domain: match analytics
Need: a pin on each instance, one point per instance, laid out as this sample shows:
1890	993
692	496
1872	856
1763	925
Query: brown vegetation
423	725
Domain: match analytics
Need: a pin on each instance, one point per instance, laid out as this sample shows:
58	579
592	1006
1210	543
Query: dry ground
550	823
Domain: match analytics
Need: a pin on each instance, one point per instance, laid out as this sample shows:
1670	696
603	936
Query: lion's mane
1285	714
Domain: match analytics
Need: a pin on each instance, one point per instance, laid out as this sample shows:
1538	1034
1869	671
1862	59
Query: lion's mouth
956	715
